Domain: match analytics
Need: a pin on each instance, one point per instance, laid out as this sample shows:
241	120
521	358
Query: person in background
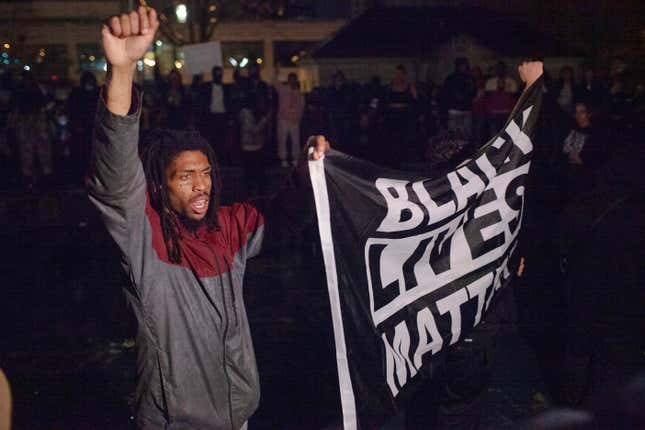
255	120
430	110
176	105
8	174
315	116
195	97
618	101
479	133
365	135
457	97
585	150
257	88
400	104
81	106
501	92
215	110
590	91
339	109
291	105
238	95
564	90
373	94
31	128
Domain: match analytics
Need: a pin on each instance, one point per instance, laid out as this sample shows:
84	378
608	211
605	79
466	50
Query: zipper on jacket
230	283
228	382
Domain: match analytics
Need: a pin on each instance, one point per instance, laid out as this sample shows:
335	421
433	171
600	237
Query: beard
192	225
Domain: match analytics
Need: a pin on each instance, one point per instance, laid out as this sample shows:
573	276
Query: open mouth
200	205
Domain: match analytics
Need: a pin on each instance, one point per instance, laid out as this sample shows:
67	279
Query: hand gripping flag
412	263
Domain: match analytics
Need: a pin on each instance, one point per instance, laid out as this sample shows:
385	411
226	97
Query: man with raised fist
184	254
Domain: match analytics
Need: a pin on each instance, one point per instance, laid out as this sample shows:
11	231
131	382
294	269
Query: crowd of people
46	127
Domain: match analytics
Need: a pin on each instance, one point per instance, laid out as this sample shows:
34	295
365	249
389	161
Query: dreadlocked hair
160	147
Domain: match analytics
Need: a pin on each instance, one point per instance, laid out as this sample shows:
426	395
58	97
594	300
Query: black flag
412	262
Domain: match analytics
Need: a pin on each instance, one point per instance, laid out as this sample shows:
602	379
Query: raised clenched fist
320	145
126	37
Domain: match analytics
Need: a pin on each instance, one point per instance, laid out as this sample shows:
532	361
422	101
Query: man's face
188	179
583	119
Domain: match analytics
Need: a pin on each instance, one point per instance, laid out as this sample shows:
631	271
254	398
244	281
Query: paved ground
65	337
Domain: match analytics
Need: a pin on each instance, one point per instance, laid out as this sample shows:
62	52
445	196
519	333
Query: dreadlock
160	147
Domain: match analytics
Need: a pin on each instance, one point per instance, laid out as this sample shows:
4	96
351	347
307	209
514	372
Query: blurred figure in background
564	90
8	163
480	132
501	93
215	103
257	88
31	128
255	120
590	91
457	97
618	100
315	116
585	148
176	104
401	99
82	107
291	105
339	110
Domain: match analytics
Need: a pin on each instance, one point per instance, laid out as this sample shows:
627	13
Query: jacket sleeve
116	184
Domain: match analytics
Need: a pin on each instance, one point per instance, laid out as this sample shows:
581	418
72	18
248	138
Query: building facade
58	39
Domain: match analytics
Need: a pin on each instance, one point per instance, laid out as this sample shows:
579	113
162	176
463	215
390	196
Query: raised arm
117	183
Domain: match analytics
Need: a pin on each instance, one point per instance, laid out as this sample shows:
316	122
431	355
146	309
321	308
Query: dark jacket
196	365
458	92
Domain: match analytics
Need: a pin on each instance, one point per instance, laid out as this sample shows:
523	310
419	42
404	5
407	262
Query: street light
181	11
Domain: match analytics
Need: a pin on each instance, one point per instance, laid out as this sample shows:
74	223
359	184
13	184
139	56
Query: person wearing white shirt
214	106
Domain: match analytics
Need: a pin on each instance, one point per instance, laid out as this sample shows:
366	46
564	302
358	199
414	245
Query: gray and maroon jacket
196	365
